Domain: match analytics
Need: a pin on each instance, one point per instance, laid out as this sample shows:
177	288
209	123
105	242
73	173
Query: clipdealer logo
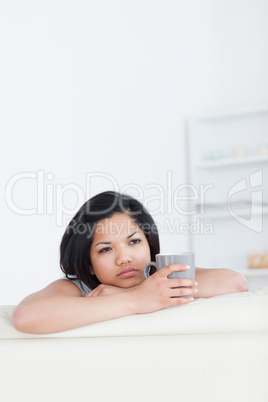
47	197
255	222
167	199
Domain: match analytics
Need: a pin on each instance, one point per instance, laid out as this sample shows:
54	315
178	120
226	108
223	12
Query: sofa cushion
231	313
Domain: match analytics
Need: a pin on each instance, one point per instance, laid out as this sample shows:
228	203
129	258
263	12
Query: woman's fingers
168	269
174	301
177	282
177	292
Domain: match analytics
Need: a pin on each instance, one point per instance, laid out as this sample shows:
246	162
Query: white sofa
212	350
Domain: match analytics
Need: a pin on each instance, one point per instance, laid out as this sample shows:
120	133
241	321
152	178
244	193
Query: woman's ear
91	270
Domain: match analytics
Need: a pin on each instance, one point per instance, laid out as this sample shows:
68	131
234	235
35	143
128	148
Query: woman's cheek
101	269
145	254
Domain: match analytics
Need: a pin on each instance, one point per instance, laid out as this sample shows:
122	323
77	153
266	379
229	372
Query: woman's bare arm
60	306
214	282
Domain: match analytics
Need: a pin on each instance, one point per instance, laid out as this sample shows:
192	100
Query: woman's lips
127	272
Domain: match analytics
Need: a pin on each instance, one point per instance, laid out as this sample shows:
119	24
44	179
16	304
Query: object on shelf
223	205
216	156
263	151
239	152
258	260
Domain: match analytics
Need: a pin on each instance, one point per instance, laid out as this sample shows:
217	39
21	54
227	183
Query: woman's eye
135	241
105	250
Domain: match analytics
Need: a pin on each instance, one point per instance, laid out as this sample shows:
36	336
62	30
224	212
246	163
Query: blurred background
97	95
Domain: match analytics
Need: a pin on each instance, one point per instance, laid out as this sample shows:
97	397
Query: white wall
105	86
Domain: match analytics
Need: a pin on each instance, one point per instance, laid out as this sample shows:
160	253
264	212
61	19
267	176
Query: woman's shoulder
69	287
60	287
63	287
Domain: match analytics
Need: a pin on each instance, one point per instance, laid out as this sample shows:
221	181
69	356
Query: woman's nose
123	258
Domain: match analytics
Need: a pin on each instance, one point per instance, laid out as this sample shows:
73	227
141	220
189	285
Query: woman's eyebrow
103	242
108	242
132	234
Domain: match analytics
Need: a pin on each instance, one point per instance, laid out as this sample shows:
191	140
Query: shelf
243	160
255	272
230	114
225	184
226	214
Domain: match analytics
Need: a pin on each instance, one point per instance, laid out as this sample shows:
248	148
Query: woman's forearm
60	307
51	314
214	282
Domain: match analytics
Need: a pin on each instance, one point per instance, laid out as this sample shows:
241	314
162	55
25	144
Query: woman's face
119	251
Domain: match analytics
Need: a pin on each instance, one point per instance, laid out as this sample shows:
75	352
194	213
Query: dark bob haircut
76	242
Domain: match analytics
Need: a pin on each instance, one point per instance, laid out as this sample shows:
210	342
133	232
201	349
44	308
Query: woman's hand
158	291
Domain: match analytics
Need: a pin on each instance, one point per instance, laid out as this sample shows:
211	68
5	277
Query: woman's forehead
118	224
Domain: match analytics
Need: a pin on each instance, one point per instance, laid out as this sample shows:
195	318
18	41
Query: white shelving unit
256	159
228	177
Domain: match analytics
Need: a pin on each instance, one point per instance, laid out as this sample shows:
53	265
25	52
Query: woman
102	254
